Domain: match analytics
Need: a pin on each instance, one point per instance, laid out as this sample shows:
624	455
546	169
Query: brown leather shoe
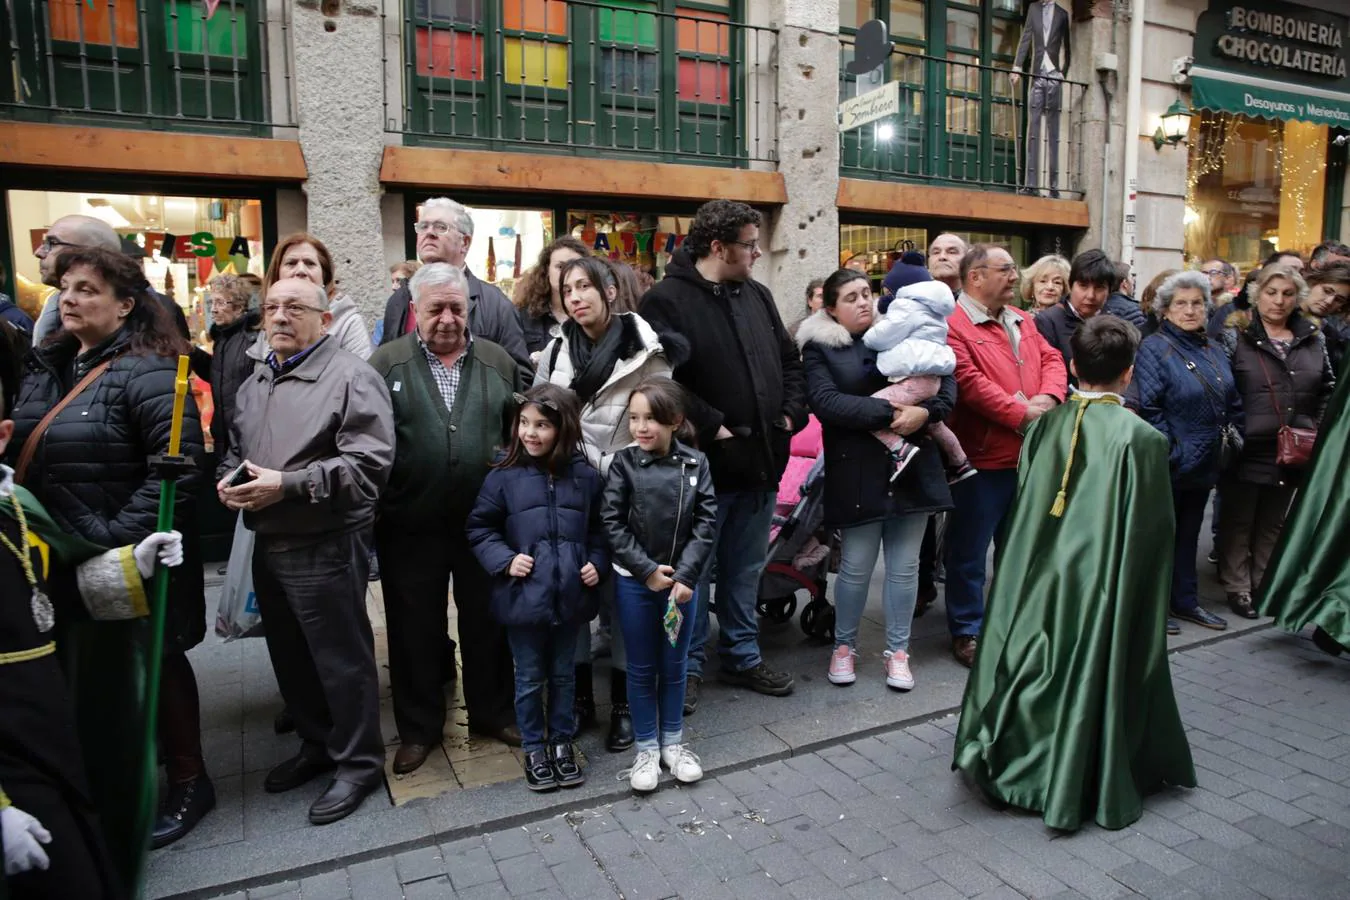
409	758
963	648
1242	605
507	734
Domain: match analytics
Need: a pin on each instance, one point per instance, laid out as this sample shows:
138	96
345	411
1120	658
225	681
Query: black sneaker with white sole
760	679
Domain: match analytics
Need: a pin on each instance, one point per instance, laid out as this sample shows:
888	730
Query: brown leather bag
30	446
1293	446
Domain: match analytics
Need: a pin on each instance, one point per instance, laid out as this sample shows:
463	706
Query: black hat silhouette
871	47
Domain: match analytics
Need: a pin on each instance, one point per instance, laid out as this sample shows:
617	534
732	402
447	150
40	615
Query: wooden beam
896	198
453	169
114	150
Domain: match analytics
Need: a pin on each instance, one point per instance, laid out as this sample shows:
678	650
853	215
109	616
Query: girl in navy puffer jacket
536	531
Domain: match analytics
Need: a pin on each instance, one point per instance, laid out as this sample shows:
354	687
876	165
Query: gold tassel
1062	498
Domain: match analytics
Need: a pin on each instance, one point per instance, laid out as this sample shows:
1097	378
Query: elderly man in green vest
453	410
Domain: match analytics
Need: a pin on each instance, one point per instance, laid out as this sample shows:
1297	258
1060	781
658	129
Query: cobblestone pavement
1269	723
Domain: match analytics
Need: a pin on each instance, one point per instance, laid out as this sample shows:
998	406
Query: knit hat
909	270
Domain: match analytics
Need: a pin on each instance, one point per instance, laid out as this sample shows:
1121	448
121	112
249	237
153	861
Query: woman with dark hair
304	256
114	363
872	511
601	355
1280	363
538	298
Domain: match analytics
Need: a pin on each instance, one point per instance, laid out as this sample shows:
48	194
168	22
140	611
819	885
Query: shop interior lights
1175	123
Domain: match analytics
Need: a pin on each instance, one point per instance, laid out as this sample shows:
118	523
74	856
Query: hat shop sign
871	48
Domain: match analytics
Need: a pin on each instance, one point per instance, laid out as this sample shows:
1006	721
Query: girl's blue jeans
543	657
900	537
656	670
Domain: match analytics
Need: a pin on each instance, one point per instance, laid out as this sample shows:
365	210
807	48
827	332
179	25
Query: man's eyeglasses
437	228
752	246
1002	270
1213	273
51	243
289	310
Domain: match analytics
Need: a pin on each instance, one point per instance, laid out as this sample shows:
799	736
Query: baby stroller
801	551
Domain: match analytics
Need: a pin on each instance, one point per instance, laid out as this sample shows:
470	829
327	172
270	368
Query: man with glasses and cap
452	392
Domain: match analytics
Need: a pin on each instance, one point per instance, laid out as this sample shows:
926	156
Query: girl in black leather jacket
660	515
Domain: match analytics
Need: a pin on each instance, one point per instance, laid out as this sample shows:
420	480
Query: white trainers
841	665
682	762
898	674
646	771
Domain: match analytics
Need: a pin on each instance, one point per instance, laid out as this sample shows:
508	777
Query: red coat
988	375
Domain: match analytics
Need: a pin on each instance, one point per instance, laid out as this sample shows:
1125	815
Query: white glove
24	837
167	545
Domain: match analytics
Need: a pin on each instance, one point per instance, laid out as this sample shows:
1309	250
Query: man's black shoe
539	774
1201	617
1326	643
1242	605
298	770
760	679
621	736
183	808
566	771
691	686
339	801
284	723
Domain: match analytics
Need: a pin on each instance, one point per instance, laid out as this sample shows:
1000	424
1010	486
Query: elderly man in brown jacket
313	433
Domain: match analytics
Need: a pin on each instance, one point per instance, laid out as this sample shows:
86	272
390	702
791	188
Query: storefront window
880	246
1253	187
181	241
643	240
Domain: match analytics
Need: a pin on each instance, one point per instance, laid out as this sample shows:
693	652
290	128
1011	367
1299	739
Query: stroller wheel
827	624
818	620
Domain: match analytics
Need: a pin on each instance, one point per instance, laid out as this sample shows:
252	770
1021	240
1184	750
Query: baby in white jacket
911	340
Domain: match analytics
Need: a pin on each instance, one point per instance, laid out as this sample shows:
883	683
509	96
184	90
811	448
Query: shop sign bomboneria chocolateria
1277	40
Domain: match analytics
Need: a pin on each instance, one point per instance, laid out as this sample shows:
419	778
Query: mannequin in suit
1044	52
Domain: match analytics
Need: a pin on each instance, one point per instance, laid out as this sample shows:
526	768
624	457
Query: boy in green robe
1069	709
52	839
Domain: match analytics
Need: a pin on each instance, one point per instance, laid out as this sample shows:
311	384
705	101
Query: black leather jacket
660	511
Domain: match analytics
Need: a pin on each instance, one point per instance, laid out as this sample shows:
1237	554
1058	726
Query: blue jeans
656	670
901	538
543	656
982	503
742	549
1189	506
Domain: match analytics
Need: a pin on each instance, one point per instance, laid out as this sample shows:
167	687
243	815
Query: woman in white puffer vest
603	353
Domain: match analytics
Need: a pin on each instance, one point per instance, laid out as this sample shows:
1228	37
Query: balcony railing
148	63
574	76
966	124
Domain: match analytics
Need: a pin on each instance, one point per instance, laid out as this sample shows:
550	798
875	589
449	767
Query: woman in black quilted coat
90	471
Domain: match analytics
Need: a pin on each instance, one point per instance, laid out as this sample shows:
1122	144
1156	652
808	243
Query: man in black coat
444	231
1092	278
746	395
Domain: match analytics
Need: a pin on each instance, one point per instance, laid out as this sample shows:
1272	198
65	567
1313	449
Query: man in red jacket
1006	376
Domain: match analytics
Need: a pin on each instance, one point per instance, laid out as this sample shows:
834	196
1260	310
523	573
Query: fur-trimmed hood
821	328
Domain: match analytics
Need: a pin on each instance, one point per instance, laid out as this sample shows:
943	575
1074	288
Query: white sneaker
898	674
841	665
646	771
682	762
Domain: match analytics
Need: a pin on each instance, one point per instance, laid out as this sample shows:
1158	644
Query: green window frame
626	76
958	121
152	63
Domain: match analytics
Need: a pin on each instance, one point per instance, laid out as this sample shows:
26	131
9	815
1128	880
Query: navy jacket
1167	392
555	520
841	376
1059	323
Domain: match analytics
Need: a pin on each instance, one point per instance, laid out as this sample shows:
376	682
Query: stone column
339	87
803	236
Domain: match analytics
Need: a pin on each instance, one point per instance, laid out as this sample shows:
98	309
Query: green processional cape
1308	579
102	635
1069	708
